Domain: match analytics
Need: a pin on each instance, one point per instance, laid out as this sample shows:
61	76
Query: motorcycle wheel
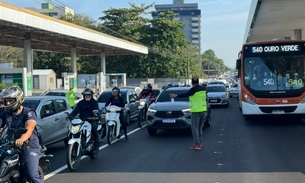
94	155
140	119
40	172
110	135
73	160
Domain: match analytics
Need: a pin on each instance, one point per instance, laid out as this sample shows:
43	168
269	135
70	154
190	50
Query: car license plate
169	120
213	100
278	112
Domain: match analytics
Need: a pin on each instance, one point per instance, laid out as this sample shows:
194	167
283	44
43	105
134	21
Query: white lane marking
49	175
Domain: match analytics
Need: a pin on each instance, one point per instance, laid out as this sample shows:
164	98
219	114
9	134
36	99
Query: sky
222	28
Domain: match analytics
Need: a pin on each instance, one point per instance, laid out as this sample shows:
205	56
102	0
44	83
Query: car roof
121	90
215	85
177	88
44	97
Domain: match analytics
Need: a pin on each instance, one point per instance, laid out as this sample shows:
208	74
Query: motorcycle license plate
169	120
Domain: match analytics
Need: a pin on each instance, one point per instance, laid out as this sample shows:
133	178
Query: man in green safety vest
70	96
198	107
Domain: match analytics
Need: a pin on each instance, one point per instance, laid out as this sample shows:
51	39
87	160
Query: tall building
53	11
189	15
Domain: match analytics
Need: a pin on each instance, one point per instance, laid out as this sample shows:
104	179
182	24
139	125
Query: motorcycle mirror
95	111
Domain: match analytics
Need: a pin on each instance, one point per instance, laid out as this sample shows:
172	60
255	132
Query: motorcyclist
85	109
147	92
1	101
17	116
117	100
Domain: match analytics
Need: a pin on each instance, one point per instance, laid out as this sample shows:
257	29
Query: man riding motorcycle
17	116
85	109
147	93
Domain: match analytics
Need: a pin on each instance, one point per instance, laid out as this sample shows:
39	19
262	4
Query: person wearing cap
198	107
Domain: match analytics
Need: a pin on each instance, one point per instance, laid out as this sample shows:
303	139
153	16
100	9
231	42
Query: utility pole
188	66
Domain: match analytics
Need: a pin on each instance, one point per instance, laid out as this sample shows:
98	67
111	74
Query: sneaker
200	144
194	146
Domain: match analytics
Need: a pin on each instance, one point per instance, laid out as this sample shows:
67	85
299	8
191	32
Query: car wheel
127	119
151	131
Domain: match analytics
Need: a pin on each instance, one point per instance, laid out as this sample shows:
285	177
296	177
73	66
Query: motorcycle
81	141
144	103
11	169
113	125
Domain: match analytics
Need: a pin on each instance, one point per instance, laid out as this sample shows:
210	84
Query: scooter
142	112
144	103
81	141
113	125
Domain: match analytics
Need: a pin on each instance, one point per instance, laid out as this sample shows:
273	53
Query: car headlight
186	110
224	96
151	111
142	103
302	101
249	99
75	129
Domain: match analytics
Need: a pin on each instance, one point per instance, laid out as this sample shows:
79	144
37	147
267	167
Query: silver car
51	117
217	95
233	91
167	114
77	95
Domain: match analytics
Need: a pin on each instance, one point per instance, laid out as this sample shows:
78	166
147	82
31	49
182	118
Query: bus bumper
249	109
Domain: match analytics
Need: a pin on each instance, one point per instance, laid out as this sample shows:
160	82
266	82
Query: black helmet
87	91
149	86
16	93
145	88
116	89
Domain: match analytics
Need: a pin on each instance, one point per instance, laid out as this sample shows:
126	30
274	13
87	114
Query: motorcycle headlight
75	129
142	103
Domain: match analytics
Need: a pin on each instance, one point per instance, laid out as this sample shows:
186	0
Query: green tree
13	55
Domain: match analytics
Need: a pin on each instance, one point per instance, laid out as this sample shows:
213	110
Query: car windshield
55	94
273	73
105	96
216	89
164	95
235	86
32	104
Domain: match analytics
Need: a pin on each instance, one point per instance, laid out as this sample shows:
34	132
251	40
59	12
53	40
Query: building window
52	14
51	80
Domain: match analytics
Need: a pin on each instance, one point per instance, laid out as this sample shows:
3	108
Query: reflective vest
198	102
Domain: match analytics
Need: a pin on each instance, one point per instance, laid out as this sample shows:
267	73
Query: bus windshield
274	73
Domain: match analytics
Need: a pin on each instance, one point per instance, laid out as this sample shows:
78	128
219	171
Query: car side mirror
95	111
132	100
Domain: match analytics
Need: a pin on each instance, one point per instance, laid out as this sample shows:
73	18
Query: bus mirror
238	63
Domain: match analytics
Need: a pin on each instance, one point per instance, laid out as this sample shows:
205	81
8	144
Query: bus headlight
249	99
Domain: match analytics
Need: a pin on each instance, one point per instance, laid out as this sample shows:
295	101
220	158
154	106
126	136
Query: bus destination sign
275	48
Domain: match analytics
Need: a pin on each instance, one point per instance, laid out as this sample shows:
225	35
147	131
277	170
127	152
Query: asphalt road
234	151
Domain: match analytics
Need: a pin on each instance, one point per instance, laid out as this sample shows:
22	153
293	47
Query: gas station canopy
51	34
272	19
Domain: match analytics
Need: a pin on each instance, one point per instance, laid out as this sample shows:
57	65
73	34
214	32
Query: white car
62	93
233	91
